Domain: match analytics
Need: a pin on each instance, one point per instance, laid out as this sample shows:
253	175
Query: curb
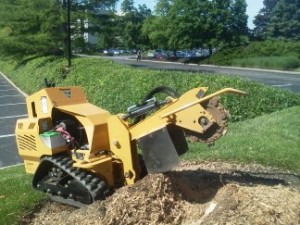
9	81
225	67
11	166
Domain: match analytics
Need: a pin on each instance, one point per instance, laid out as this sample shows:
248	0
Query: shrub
265	49
271	62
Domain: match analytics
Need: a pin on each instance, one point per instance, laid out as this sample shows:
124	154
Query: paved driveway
12	107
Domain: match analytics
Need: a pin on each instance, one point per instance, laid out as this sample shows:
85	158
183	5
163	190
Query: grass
16	195
269	62
271	140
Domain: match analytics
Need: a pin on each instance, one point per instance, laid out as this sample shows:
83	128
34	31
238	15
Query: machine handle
225	90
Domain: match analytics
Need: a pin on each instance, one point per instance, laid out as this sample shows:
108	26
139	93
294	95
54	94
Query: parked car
202	52
112	51
180	54
151	54
157	53
116	51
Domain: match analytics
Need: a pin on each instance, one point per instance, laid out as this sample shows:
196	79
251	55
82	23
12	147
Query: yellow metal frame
124	148
105	132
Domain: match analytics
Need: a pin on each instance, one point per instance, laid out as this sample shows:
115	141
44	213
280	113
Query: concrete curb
225	67
11	166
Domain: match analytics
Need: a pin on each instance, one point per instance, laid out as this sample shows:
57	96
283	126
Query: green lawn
16	195
271	140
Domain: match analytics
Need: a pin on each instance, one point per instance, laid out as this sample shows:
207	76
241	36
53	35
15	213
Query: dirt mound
194	194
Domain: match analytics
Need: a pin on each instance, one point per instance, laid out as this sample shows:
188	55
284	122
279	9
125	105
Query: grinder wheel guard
218	129
213	106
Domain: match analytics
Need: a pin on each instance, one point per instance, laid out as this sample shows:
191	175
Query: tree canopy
38	27
278	19
195	23
132	21
30	27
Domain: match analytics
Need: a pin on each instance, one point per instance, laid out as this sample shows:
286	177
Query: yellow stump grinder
80	153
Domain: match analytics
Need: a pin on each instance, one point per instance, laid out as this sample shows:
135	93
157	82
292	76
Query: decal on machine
67	92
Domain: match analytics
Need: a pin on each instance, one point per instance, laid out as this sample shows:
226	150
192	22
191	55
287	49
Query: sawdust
197	193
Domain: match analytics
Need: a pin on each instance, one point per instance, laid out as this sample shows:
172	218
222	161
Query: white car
151	54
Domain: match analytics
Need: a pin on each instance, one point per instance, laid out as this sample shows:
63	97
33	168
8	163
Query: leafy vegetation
40	26
115	87
271	62
191	24
274	55
16	195
30	27
278	19
132	22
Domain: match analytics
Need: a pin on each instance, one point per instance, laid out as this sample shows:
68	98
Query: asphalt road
12	107
275	78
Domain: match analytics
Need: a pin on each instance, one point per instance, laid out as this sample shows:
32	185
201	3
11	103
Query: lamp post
67	6
69	32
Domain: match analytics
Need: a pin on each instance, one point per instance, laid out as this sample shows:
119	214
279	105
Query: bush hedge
287	51
115	87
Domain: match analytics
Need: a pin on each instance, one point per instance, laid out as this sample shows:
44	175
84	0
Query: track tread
97	188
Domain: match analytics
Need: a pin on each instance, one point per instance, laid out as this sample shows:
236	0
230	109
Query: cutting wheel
218	129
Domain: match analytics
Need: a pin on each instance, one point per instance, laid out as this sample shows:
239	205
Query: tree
262	19
132	22
127	6
39	26
177	24
278	19
96	17
285	20
31	27
234	24
154	28
195	23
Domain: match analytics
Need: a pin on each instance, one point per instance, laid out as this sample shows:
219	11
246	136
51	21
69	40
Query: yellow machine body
105	145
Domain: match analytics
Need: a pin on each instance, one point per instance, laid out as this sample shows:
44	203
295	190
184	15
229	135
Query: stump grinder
80	153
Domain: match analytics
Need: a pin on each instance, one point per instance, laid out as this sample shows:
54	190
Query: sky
253	7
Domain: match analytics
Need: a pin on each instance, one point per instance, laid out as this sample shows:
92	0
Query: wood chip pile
192	195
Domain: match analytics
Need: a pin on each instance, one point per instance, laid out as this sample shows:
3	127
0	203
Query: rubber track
96	187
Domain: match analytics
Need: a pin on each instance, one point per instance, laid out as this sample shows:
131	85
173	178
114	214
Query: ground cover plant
116	87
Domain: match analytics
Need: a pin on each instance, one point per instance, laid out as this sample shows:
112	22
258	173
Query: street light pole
69	32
